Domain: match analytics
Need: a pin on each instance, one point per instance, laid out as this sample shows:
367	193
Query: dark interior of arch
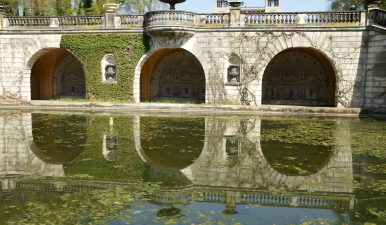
299	76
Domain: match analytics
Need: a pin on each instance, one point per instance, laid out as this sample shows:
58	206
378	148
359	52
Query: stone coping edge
158	107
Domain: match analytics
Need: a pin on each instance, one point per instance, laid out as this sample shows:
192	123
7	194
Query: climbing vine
91	48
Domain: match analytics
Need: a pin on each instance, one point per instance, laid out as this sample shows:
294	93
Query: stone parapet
235	18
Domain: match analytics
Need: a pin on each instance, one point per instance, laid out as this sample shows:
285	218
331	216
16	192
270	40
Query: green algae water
174	169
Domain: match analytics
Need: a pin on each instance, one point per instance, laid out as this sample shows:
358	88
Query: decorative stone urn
111	7
172	3
235	4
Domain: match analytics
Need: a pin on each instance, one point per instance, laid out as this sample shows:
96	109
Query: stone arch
172	74
48	67
299	76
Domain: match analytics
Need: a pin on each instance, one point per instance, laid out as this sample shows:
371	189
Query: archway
299	76
57	74
172	75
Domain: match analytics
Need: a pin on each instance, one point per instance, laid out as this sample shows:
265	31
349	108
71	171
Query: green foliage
46	7
336	5
11	7
140	6
90	50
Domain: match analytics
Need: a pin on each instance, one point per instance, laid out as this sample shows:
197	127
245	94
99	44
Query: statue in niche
110	72
109	67
234	73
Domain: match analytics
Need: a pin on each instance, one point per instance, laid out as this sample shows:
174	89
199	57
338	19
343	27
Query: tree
337	5
140	6
11	7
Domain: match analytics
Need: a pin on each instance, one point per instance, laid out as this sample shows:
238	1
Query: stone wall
18	53
341	48
352	55
375	73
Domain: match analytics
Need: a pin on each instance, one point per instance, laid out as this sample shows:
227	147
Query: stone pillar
2	12
234	17
302	18
110	20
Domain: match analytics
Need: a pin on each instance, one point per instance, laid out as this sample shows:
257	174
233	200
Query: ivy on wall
90	49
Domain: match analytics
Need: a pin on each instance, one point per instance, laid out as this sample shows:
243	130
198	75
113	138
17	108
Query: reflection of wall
16	156
216	168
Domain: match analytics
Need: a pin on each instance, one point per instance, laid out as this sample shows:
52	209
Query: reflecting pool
197	169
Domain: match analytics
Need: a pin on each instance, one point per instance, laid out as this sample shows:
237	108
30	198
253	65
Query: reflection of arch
172	75
292	160
299	76
46	68
53	141
171	143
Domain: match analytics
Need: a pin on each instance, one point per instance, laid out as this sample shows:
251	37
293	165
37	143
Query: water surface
173	169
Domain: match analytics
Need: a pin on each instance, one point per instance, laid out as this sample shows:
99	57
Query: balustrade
186	19
252	19
216	19
169	18
379	17
134	20
334	17
29	21
80	21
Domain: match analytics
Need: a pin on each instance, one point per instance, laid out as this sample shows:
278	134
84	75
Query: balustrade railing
252	19
80	21
29	21
135	20
379	17
216	19
189	19
334	17
181	18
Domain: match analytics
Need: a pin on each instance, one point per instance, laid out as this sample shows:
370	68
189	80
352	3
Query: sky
207	6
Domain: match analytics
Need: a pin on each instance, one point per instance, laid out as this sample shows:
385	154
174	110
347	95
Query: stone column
2	12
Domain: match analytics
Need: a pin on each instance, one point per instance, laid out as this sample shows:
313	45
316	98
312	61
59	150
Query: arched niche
43	73
299	76
70	81
234	70
109	69
172	75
